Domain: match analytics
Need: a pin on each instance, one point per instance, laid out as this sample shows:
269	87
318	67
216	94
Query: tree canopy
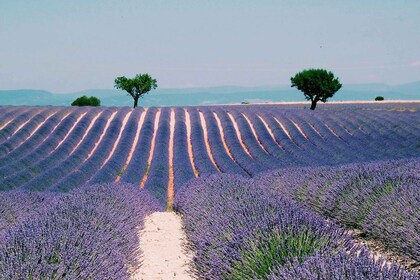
86	101
316	85
137	86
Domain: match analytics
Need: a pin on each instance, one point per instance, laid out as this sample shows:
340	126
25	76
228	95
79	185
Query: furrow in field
267	127
21	119
86	170
101	137
36	129
31	151
69	132
5	124
12	144
19	128
284	130
8	116
282	158
40	125
124	123
238	134
316	130
222	134
115	165
333	132
223	153
134	145
300	129
248	164
206	140
190	149
183	168
37	139
57	125
86	133
171	160
254	133
152	149
55	172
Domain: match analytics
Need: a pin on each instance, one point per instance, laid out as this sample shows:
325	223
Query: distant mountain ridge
209	95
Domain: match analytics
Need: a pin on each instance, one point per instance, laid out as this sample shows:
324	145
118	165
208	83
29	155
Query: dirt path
162	243
171	161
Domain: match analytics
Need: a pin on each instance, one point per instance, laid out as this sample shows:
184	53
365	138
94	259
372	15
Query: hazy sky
65	46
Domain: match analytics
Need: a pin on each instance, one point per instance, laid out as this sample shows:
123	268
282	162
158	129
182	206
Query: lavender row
158	173
329	137
48	154
22	147
365	139
89	167
271	144
91	233
380	198
202	159
8	114
221	156
17	122
110	171
53	174
249	164
25	132
183	170
258	152
138	166
239	230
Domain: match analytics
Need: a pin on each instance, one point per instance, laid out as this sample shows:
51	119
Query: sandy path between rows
162	244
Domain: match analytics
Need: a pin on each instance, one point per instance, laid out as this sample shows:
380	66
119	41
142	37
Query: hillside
61	148
207	96
336	187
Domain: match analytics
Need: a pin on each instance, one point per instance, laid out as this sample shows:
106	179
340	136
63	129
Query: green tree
136	87
86	101
316	85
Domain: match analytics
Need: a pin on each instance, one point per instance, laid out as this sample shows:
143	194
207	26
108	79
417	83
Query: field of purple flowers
240	230
265	191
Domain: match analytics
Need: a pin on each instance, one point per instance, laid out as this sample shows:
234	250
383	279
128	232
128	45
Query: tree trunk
314	101
136	101
313	105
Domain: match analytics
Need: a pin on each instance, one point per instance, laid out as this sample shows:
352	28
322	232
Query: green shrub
86	101
379	98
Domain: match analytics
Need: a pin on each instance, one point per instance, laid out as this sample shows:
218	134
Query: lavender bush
380	198
239	230
17	206
91	233
341	265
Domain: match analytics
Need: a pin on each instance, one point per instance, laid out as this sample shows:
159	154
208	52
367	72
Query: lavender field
265	191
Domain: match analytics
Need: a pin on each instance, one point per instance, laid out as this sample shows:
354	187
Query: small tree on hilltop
85	101
316	85
136	87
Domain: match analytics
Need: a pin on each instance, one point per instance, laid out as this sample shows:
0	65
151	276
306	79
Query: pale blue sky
65	46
